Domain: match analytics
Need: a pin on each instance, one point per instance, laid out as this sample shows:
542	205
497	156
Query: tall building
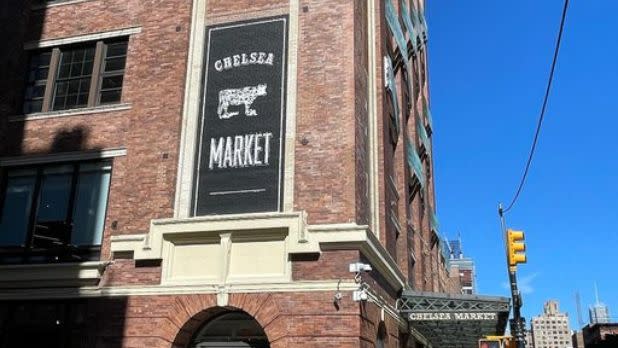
193	173
462	268
599	312
551	329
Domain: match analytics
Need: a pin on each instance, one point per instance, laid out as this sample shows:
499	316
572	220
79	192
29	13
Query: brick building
179	173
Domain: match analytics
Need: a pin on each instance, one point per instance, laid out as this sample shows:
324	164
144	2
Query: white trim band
81	38
61	157
73	112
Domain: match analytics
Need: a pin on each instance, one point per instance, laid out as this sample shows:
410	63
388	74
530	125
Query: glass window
37	81
73	79
54	212
90	204
16	208
78	75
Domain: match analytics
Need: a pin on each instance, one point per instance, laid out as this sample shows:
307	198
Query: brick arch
196	310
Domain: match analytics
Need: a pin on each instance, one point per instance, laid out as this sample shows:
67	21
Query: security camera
360	267
360	295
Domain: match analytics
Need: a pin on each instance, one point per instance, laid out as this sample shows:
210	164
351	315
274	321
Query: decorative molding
151	246
46	5
61	157
300	238
81	38
352	236
150	290
48	275
372	122
290	106
74	112
191	111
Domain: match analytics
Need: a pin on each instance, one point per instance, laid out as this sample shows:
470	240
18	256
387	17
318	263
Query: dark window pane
37	78
112	96
41	73
55	190
59	103
117	49
33	106
68	93
90	204
16	209
112	82
82	99
114	64
74	86
64	71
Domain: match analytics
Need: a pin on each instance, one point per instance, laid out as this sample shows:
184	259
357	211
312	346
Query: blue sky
488	65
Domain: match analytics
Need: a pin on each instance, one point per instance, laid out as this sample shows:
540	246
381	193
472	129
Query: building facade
462	268
601	335
182	173
551	329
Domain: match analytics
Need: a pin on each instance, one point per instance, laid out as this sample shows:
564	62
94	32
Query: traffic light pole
518	324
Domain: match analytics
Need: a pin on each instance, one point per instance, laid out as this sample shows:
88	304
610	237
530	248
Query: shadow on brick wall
19	24
71	323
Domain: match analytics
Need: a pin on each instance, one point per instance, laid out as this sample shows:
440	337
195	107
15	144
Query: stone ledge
52	275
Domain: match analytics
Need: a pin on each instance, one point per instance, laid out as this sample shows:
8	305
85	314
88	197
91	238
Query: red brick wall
325	166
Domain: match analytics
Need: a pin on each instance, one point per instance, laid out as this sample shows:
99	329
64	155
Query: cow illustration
238	96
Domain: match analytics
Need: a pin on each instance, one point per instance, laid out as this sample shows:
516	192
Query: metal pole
518	324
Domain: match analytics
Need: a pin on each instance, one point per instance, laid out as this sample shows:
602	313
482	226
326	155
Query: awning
454	321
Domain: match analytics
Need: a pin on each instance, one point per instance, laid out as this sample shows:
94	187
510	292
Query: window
53	213
75	76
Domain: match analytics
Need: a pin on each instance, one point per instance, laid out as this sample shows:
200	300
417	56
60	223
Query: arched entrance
232	329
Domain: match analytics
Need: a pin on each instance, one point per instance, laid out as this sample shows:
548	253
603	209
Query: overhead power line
543	108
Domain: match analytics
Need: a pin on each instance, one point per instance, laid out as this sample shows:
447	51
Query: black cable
540	122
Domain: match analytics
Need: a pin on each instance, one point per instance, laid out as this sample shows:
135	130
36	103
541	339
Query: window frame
27	252
94	89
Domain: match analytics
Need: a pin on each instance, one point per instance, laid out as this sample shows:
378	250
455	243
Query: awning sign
443	316
242	130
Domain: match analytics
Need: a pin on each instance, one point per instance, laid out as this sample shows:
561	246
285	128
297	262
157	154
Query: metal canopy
454	321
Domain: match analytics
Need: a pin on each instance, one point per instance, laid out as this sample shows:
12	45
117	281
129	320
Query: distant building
462	268
551	329
577	339
529	341
601	335
599	314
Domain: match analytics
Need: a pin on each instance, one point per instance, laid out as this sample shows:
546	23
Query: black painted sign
240	159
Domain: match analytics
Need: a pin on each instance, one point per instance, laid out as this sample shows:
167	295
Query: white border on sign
281	119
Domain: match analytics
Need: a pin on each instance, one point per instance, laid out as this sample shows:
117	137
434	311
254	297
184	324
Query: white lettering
240	151
248	145
257	149
244	59
227	155
227	63
238	148
218	65
261	57
216	153
268	136
452	316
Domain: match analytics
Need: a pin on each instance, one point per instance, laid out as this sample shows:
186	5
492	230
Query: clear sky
488	64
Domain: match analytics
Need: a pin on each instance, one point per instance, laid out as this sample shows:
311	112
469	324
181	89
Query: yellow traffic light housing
516	247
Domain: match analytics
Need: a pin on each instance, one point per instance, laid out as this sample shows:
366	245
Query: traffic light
516	247
490	343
